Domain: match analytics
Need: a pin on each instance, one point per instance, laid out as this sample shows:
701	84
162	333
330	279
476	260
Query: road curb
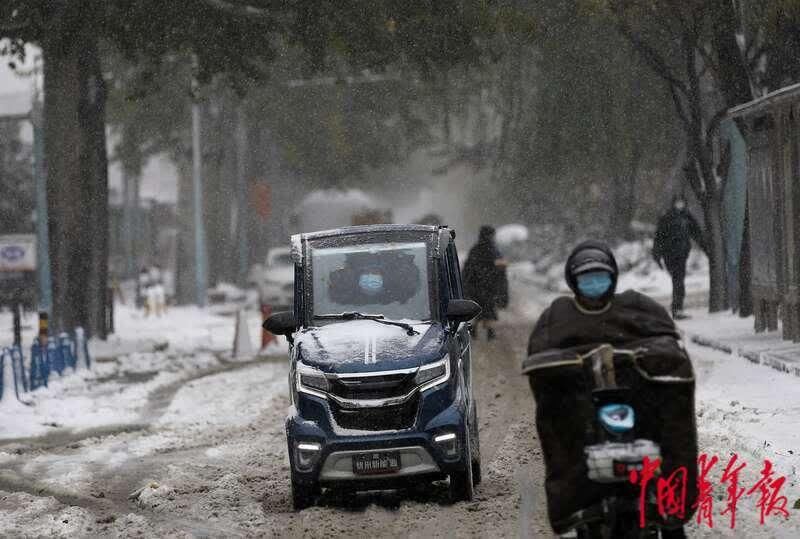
769	358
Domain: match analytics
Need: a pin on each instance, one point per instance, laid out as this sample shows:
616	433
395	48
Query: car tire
304	494
462	487
475	448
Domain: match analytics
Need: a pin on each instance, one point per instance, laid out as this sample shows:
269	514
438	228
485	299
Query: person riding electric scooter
571	396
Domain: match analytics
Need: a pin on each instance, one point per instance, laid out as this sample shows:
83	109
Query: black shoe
490	334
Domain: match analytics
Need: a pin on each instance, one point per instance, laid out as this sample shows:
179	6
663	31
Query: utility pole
200	258
241	194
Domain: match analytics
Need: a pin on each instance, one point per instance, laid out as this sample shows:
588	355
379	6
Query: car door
462	338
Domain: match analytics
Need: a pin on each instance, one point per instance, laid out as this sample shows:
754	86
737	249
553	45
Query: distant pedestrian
671	246
485	279
142	284
151	282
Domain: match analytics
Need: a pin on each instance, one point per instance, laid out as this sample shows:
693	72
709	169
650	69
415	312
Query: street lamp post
199	227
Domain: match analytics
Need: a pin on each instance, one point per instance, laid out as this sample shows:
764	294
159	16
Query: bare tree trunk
717	293
624	206
77	181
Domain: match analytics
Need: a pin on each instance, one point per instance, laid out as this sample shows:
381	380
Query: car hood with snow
369	346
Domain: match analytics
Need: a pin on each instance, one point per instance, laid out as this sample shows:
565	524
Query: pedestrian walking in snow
673	241
485	280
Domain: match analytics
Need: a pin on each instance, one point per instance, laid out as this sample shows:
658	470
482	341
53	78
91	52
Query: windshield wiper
353	315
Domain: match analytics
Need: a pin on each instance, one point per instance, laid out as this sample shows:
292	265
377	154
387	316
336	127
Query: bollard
17	325
43	326
242	345
82	358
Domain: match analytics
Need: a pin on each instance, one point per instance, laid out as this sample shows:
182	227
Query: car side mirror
462	310
282	323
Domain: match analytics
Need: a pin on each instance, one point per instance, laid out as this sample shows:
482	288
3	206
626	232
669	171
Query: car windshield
389	279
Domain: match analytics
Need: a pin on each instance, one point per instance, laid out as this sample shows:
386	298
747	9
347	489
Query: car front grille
385	386
394	417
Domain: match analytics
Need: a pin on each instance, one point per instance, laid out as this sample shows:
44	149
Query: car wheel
462	488
476	448
304	494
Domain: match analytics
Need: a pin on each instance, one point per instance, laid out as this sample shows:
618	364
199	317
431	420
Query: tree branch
650	55
679	108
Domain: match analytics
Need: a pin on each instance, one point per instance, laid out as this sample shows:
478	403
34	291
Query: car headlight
434	374
312	380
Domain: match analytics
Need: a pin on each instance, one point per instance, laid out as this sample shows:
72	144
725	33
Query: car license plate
376	463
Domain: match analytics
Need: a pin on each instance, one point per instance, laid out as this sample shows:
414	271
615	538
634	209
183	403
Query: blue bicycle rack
40	366
55	357
13	357
67	348
18	363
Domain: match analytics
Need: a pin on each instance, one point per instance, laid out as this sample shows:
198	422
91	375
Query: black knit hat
591	256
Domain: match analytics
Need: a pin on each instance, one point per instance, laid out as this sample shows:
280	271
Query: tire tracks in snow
22	476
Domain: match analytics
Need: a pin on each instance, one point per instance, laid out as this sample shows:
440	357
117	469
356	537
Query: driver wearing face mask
371	283
596	313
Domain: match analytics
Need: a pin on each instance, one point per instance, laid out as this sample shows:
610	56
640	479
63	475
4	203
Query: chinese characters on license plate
376	463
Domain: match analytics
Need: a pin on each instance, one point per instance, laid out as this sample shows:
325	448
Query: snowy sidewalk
728	333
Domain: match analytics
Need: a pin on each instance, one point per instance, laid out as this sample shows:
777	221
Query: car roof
365	229
439	230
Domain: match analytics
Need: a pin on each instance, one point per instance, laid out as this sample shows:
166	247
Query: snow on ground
215	402
144	355
754	412
199	419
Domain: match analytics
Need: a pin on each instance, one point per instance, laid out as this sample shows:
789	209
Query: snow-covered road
187	442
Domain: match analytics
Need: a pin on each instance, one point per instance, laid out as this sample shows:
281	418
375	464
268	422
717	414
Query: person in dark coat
594	314
671	247
485	280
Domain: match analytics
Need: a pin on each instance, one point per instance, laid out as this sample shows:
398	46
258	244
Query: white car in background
275	280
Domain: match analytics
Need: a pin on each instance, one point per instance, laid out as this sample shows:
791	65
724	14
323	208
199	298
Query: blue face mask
371	283
594	284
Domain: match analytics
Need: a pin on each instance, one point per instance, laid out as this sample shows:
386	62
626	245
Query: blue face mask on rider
371	283
594	284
